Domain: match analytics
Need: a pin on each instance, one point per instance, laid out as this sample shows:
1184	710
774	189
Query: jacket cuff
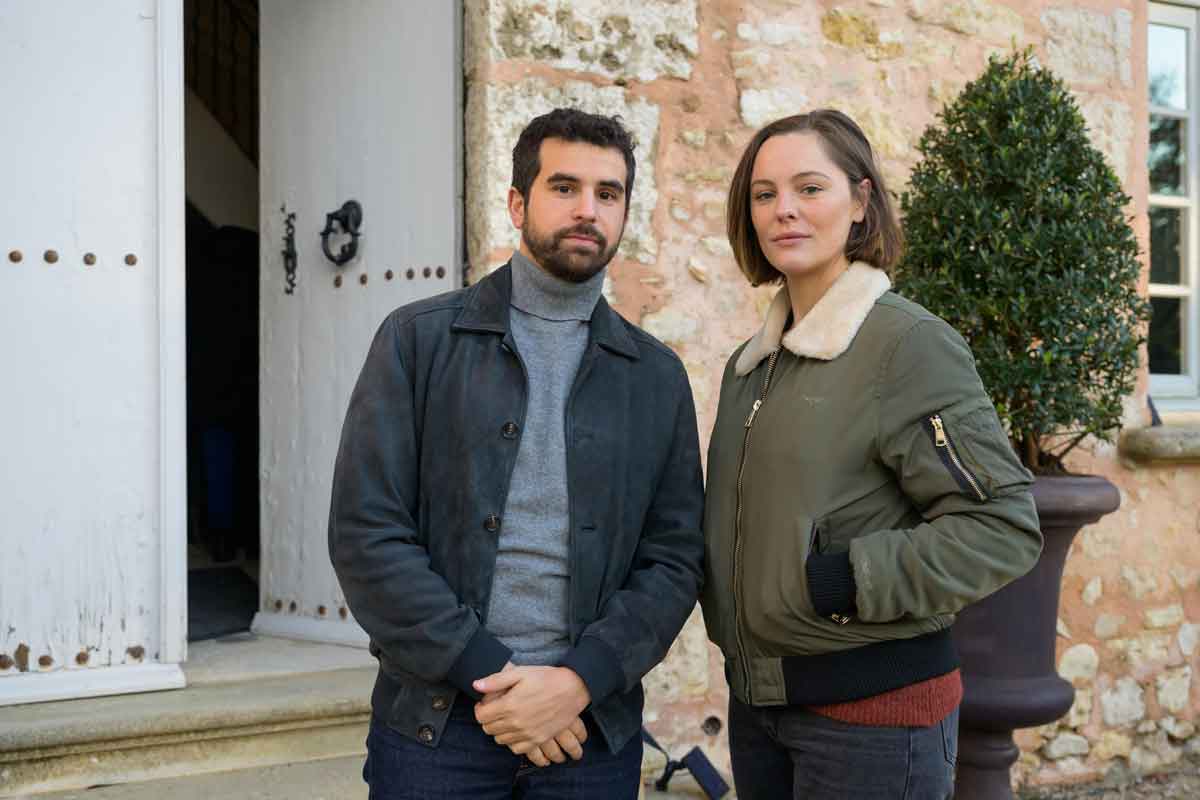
597	665
484	655
831	583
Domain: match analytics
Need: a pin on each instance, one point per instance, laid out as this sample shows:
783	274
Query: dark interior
221	72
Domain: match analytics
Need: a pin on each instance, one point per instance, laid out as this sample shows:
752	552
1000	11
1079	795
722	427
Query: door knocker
349	219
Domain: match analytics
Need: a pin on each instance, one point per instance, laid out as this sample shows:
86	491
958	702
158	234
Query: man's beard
562	260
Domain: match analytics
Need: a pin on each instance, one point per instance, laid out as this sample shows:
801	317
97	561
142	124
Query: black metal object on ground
695	762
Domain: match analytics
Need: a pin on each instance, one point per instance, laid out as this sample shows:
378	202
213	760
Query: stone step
213	727
255	708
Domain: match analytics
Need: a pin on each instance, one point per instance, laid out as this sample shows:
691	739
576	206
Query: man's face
572	221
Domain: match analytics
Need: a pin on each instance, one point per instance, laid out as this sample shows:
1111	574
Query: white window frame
1182	392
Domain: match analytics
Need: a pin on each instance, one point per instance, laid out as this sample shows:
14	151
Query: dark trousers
467	763
783	752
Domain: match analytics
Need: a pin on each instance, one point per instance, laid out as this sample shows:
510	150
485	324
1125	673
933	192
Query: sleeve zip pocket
944	446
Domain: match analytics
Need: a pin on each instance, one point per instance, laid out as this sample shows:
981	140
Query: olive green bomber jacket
874	447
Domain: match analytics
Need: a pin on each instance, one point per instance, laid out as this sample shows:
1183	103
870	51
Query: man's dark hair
570	125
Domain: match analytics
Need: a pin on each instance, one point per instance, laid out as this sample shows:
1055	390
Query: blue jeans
468	764
789	752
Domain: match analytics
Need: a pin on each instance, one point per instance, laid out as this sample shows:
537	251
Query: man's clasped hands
534	712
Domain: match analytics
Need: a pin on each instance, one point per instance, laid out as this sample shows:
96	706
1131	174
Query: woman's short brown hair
877	240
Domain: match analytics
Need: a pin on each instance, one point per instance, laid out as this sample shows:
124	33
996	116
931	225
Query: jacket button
492	523
440	703
425	734
509	431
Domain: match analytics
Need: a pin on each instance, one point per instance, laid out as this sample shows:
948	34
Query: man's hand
568	742
536	708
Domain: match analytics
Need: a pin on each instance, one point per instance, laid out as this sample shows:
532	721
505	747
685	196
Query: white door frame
172	341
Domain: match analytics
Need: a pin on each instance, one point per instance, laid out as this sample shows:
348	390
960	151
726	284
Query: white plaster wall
80	473
363	105
221	181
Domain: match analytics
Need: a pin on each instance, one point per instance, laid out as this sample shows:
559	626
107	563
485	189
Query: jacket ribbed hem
484	655
920	705
867	671
596	665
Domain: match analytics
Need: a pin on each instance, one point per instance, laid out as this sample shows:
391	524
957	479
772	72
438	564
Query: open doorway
320	103
221	166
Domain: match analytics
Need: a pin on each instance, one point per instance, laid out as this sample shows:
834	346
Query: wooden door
359	101
92	485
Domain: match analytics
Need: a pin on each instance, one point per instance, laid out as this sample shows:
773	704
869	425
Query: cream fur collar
827	330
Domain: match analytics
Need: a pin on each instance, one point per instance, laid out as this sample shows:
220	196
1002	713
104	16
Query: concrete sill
1179	444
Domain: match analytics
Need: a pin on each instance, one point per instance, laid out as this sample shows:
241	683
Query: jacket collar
486	310
827	330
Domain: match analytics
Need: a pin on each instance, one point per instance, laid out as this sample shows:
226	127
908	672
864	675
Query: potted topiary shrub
1018	237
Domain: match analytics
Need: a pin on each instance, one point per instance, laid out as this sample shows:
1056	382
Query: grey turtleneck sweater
528	610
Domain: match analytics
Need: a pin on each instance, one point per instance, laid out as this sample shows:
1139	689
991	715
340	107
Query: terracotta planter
1006	643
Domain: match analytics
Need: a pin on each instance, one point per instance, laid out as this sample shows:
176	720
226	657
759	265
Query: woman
860	489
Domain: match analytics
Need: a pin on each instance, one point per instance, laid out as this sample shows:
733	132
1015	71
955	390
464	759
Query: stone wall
1128	632
694	79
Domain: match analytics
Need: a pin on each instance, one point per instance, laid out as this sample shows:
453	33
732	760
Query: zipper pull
939	433
753	413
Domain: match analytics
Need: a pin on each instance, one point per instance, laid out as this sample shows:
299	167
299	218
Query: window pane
1167	49
1166	244
1166	336
1168	144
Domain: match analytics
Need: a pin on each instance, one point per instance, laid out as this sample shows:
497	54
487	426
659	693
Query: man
517	503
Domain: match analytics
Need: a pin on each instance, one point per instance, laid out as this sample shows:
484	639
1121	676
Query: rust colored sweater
918	705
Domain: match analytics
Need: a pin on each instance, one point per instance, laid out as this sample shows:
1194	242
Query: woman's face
802	206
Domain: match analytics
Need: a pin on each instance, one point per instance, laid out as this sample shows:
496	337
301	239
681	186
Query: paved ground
334	779
338	779
1182	783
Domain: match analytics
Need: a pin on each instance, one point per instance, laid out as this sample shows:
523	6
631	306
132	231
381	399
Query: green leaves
1018	237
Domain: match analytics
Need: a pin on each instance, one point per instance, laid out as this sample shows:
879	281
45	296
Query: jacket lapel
486	306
